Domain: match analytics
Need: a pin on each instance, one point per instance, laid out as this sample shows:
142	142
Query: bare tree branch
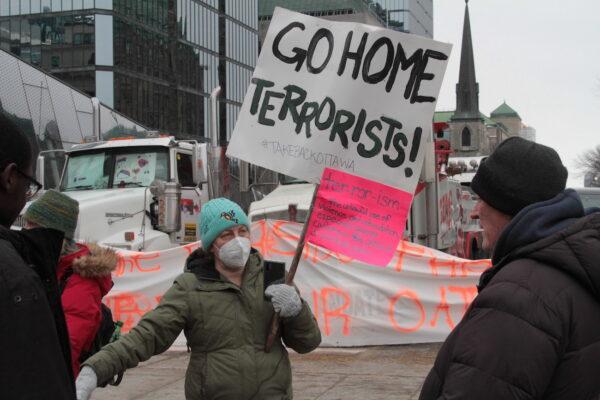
589	161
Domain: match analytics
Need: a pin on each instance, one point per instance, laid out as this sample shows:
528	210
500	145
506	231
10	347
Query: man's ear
8	178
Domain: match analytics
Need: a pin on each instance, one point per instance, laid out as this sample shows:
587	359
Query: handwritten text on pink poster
358	217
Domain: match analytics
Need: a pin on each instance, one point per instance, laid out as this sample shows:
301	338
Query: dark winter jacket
533	332
34	354
83	292
226	328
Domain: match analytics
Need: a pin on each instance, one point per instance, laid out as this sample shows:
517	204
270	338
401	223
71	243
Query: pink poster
358	217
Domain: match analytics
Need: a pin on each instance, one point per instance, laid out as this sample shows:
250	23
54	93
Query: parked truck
136	194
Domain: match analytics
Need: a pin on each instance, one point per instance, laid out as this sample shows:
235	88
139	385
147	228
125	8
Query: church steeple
467	89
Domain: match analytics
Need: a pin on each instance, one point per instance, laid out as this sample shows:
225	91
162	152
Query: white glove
285	300
86	382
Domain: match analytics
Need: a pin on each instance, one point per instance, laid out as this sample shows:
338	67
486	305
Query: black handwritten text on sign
395	60
343	125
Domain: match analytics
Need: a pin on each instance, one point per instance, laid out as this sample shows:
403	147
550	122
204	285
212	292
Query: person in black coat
533	332
34	357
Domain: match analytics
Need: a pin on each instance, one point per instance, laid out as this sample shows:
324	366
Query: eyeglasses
34	186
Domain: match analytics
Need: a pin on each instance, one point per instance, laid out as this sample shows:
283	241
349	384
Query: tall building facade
155	61
334	10
410	16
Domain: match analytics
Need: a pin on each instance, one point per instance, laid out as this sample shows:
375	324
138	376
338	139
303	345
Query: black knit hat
519	173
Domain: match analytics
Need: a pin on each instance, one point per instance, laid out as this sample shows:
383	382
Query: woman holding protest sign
223	302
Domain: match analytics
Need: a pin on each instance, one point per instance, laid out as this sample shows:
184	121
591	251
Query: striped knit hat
54	210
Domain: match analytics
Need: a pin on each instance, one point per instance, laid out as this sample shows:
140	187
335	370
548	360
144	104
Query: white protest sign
353	97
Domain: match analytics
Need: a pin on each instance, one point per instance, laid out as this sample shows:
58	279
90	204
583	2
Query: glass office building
410	16
155	61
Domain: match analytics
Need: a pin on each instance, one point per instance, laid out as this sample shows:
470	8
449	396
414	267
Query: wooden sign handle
289	280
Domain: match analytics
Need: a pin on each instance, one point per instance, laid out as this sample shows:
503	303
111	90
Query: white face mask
235	253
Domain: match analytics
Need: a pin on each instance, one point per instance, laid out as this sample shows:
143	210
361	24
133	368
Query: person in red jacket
82	294
83	272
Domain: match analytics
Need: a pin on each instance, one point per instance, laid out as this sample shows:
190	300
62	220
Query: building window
466	137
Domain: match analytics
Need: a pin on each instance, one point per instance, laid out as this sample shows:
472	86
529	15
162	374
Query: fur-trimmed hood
99	262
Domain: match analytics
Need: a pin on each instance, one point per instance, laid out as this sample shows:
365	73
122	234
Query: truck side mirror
39	171
200	164
50	167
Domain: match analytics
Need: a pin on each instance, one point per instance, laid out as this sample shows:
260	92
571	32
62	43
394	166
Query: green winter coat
226	328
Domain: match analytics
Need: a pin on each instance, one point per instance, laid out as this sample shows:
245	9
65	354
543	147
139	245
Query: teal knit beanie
54	210
216	216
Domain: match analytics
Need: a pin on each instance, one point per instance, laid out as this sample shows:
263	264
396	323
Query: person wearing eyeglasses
33	186
35	360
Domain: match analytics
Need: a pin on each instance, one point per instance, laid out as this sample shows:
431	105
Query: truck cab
137	194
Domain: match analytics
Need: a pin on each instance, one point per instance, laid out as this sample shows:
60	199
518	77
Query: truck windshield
115	169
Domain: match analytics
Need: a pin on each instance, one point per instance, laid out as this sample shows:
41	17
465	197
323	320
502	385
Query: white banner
343	95
419	297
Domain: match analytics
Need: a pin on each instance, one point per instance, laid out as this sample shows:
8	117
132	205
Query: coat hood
202	264
39	246
98	263
557	233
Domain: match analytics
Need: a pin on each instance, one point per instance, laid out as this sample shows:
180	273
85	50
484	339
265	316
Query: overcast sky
541	56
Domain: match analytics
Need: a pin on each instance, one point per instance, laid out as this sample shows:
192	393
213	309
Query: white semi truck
137	194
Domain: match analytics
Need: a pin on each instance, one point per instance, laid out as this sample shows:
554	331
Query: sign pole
289	280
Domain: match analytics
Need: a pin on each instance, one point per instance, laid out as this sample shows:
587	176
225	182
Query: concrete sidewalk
374	373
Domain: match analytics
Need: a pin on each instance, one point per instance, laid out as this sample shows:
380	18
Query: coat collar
570	245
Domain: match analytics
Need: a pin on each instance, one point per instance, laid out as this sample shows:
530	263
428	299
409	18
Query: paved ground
374	373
